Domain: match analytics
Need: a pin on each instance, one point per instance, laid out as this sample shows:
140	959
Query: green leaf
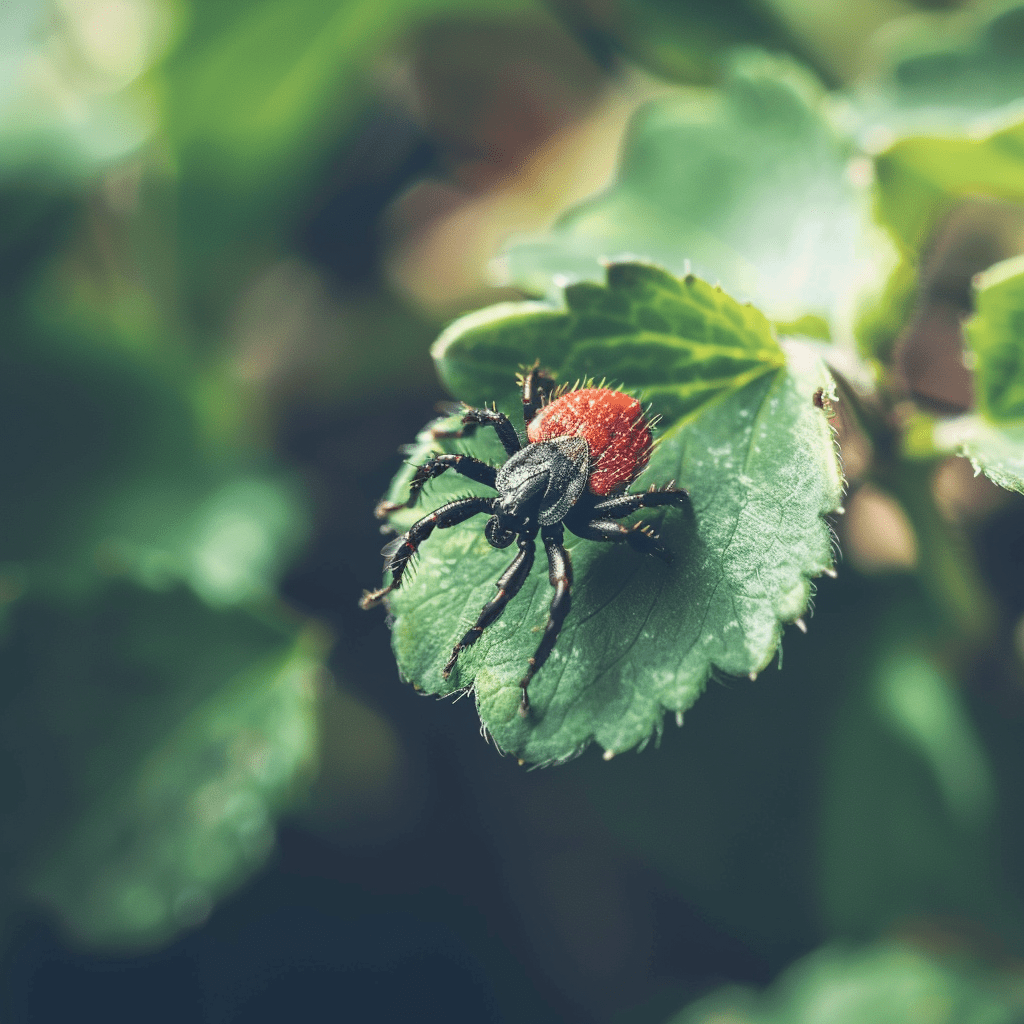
995	335
686	42
741	433
920	180
68	106
885	982
150	740
106	470
259	97
684	342
933	72
748	185
909	798
259	84
883	316
997	450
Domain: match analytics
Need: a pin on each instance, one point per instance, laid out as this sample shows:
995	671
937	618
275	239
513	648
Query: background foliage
229	234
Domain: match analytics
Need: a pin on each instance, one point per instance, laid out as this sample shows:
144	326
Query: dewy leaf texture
741	432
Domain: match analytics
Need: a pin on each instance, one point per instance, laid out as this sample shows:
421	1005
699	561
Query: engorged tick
584	448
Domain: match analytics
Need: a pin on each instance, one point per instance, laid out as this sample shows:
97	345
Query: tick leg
465	465
473	418
399	551
560	575
621	505
509	584
537	386
639	536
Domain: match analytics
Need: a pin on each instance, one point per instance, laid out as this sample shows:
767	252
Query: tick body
614	427
583	450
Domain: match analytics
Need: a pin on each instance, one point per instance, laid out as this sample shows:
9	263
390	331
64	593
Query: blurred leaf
883	316
105	469
67	105
255	85
32	221
908	802
258	97
230	543
997	450
681	42
920	180
250	83
749	185
148	742
996	337
884	983
723	812
923	708
936	71
740	431
807	326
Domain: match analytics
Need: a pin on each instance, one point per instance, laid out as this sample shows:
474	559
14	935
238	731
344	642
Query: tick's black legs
537	387
509	584
465	465
622	504
399	551
473	418
560	575
639	536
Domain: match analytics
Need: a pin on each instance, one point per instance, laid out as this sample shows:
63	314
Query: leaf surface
108	469
908	799
996	337
993	437
993	449
747	184
886	981
934	71
921	179
741	433
155	738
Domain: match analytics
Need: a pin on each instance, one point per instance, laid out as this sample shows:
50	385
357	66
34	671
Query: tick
583	449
